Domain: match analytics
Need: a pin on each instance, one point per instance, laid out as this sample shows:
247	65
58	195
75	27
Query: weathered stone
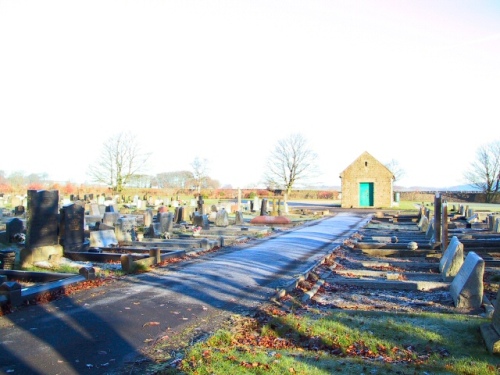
452	259
467	287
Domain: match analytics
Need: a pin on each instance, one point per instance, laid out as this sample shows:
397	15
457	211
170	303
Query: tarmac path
107	329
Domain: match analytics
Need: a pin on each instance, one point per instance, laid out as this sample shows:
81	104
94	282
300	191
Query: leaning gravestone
71	230
491	331
452	259
42	227
467	287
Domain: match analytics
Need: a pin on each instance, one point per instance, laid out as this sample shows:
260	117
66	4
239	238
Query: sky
415	82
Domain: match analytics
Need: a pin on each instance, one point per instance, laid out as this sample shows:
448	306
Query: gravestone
71	229
110	218
491	331
201	205
467	287
166	220
256	203
496	226
180	214
125	229
222	219
430	231
238	218
102	209
94	210
148	217
42	218
103	238
19	210
201	221
263	207
13	227
423	224
452	259
42	227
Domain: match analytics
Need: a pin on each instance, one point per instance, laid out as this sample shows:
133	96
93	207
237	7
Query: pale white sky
413	81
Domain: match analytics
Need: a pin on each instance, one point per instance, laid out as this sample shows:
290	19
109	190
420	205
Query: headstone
94	210
452	259
496	226
467	287
148	217
201	205
238	218
222	219
102	209
180	214
19	210
491	331
13	227
255	204
263	207
110	218
42	221
166	220
423	224
430	231
109	208
125	229
71	229
103	238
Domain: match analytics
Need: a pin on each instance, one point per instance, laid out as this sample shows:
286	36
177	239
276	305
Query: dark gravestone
110	208
263	207
200	205
42	218
166	220
13	227
179	215
19	210
71	230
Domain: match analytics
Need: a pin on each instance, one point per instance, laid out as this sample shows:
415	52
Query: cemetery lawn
308	340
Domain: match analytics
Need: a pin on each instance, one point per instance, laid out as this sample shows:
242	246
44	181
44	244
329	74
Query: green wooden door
366	194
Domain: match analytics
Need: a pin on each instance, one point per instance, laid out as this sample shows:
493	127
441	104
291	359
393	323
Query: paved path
99	331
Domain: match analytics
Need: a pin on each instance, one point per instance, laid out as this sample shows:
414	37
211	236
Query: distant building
366	183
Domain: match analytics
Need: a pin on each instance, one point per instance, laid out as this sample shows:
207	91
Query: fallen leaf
151	324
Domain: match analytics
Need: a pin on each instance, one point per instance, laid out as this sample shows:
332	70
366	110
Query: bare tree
200	169
484	172
395	168
120	160
291	161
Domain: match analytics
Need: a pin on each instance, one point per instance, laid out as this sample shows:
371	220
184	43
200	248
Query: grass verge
313	342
